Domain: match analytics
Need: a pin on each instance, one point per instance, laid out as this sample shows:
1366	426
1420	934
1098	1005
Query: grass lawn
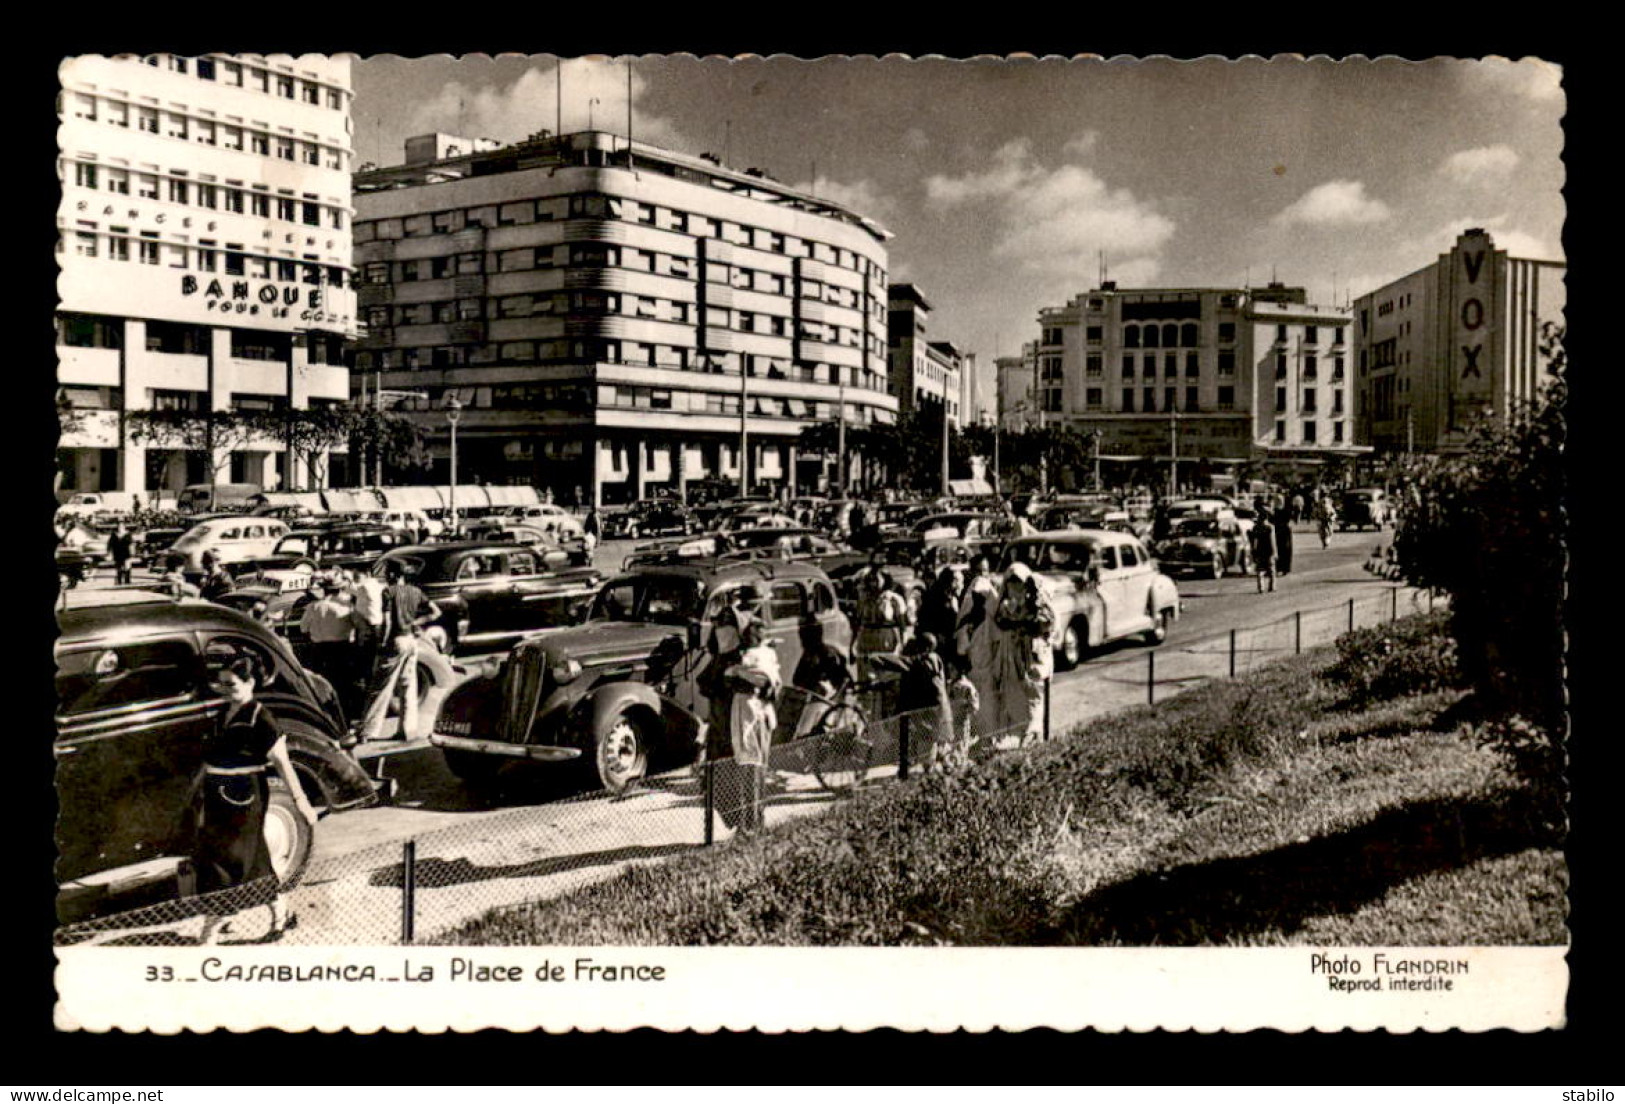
1266	811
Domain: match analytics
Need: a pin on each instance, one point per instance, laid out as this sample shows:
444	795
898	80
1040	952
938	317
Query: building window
1280	399
1337	336
1094	335
260	143
1193	365
1227	362
1308	400
118	114
284	87
118	248
207	196
1311	335
177	191
147	119
146	186
1280	432
1337	433
1280	333
234	261
1337	401
1280	366
84	175
1188	335
1311	366
1150	333
1227	331
84	244
1128	367
231	137
1227	398
1095	365
1148	399
149	247
1170	365
205	260
1094	398
1191	398
1337	368
311	214
1308	433
177	126
1128	400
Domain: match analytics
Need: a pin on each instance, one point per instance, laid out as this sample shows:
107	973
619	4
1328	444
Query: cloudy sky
1003	181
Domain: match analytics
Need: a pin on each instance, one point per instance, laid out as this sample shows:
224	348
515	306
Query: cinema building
1451	343
204	257
1207	378
617	319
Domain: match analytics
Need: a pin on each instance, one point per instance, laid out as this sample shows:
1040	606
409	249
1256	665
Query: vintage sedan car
764	516
232	539
615	697
1105	586
1207	546
657	517
134	704
977	532
356	547
546	516
1361	507
491	593
72	565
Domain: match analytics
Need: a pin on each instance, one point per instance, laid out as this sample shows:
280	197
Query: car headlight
568	671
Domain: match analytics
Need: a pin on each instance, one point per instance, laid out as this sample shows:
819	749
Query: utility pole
744	431
1173	466
945	444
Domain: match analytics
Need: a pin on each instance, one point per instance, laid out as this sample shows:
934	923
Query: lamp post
454	411
1173	466
840	434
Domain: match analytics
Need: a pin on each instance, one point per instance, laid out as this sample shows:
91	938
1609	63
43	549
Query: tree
1488	527
69	418
395	438
215	433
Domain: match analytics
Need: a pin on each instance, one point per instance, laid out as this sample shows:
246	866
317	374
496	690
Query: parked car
656	517
134	707
493	592
613	698
548	517
1363	506
233	539
356	547
1105	586
209	497
72	565
549	542
410	522
1205	545
90	504
293	513
978	533
755	517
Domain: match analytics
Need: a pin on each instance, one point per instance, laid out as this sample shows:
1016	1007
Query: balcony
78	364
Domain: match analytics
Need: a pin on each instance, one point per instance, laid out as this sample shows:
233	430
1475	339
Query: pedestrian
407	611
1296	506
592	531
366	594
1283	541
883	621
822	671
723	647
217	581
939	610
1022	656
1325	516
329	625
926	713
239	756
755	682
121	546
1263	536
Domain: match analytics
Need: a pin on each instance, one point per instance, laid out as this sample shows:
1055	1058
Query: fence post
903	724
708	784
1297	632
1430	599
1232	653
1351	615
1393	613
1151	678
1047	684
409	887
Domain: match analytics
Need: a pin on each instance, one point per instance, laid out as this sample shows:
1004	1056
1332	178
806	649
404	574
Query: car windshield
661	599
1044	556
1197	527
292	546
418	569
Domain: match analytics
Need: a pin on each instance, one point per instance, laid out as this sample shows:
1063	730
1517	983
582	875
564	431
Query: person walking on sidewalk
1283	541
1264	551
121	546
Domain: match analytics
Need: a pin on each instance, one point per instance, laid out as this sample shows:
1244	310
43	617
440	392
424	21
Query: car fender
1164	595
679	727
343	781
1086	603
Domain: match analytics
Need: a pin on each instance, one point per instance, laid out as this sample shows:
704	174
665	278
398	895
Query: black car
347	546
492	592
651	518
134	704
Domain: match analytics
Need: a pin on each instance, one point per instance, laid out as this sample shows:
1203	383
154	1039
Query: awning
351	501
470	496
511	496
409	498
310	500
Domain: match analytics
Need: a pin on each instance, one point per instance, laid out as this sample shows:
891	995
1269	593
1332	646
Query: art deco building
1452	342
204	255
616	320
922	370
1226	375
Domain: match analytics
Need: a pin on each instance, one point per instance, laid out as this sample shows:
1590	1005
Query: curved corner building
616	320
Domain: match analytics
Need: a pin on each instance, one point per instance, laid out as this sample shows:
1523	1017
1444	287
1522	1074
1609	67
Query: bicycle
843	751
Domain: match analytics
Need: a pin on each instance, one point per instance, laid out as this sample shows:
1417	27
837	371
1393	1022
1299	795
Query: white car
547	517
1104	585
87	504
405	521
232	539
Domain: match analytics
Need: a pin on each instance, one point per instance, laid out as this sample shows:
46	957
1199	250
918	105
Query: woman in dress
238	759
1022	656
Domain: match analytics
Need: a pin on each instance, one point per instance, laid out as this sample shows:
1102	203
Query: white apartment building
204	256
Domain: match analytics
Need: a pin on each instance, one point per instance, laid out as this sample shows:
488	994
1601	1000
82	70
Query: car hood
1190	544
598	643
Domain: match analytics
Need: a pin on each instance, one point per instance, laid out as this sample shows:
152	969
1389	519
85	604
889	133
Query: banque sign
257	297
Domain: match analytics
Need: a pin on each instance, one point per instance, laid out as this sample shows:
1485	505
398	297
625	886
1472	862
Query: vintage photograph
678	502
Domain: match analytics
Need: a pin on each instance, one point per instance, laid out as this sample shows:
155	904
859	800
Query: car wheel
1217	566
622	752
288	836
1070	653
1159	632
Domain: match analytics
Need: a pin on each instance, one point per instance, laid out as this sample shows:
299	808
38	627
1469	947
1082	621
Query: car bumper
545	753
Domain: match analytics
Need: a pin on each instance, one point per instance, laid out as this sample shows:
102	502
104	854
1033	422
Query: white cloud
1529	78
594	91
1057	220
861	197
1485	164
1335	203
1517	242
1083	145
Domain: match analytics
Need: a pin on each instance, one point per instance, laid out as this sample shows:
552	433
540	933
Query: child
755	679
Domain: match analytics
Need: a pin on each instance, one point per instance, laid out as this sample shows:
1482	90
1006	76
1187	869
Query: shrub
1535	755
1397	659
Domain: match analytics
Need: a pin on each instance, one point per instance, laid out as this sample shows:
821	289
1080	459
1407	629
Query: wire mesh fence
825	749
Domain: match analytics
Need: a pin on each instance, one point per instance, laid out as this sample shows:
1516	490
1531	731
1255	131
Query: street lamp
454	411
